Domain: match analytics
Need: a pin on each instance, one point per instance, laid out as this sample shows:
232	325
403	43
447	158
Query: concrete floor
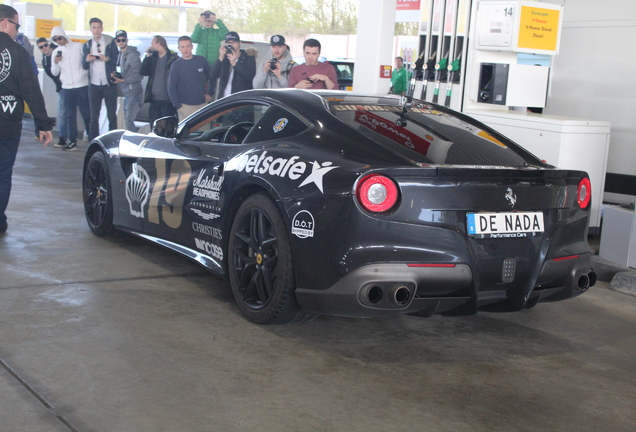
121	335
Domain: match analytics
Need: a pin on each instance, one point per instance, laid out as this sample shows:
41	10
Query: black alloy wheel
261	266
98	200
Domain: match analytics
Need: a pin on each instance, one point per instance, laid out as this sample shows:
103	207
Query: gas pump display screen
496	24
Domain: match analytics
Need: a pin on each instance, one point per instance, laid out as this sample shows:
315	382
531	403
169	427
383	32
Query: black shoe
61	143
72	146
3	229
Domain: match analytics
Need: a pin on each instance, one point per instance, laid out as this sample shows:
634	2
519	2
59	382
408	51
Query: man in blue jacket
188	80
17	84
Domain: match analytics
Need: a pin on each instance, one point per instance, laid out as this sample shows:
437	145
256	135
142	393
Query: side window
228	126
276	123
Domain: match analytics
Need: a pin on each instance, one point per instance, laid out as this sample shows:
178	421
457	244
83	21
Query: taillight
584	193
377	193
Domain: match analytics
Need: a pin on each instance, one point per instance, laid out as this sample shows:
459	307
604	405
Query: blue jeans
74	99
8	151
132	105
95	94
61	115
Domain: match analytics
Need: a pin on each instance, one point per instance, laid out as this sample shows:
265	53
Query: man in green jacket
208	34
399	78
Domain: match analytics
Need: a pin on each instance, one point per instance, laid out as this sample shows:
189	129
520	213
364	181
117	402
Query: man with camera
156	66
188	80
67	63
313	74
274	72
46	48
100	58
208	33
127	77
233	70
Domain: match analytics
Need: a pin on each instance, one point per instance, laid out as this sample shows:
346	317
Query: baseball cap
277	40
208	13
232	37
121	33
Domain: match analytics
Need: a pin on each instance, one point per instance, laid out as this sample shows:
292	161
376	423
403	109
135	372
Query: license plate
505	224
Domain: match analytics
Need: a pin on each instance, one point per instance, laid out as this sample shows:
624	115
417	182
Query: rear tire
98	196
260	264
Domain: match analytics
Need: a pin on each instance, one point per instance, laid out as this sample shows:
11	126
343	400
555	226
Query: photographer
208	33
156	67
274	72
128	79
233	70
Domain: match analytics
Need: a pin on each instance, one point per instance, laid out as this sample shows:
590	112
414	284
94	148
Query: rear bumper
386	289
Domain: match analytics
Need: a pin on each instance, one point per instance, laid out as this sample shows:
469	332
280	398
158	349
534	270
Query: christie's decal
291	168
303	224
207	230
137	188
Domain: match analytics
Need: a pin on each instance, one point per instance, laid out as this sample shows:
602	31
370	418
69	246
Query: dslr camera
272	63
115	75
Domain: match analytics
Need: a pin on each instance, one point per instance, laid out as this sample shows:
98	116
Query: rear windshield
427	135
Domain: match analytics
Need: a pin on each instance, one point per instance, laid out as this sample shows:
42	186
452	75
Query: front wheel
98	196
260	264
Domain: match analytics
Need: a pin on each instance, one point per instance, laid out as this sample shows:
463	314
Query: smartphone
59	54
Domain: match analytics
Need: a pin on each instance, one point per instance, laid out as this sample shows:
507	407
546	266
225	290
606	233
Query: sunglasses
43	46
120	40
57	38
17	26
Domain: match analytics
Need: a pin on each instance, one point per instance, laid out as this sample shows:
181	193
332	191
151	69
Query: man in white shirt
100	58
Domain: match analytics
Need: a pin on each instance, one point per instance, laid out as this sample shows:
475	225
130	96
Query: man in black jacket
46	48
156	66
17	84
234	70
100	58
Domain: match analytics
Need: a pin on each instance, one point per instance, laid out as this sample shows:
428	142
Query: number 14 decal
172	184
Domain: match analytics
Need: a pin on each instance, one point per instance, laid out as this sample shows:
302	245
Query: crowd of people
85	74
96	71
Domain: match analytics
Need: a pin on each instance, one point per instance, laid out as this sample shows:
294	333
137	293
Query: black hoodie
18	84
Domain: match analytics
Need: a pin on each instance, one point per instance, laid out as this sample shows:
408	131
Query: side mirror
165	127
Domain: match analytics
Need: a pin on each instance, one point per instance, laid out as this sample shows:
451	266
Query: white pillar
80	17
374	45
182	22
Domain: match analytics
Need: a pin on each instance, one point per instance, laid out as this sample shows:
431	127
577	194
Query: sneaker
3	228
72	146
61	143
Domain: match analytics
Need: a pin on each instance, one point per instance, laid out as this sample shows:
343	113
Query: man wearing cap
127	77
274	72
209	33
188	80
313	74
233	70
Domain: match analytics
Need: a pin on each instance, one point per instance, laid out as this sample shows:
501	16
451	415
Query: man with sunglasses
100	59
46	49
17	84
127	77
